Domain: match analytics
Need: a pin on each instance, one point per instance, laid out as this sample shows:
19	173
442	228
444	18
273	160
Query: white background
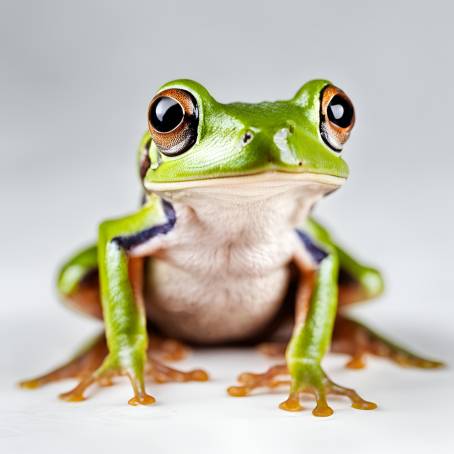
75	81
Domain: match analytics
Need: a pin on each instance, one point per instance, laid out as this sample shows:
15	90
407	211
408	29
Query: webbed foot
105	375
308	378
160	373
273	378
90	368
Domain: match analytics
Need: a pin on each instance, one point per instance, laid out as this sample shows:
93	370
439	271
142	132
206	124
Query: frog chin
249	188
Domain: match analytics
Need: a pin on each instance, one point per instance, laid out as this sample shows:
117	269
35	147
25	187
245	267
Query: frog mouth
269	181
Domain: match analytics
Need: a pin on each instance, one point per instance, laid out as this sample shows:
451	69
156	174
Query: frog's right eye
173	118
337	117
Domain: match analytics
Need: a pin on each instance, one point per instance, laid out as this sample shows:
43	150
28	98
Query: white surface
415	407
75	80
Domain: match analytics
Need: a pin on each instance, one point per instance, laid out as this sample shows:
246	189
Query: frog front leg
122	244
311	340
122	305
316	308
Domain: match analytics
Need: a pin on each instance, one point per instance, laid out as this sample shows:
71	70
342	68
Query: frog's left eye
337	117
173	119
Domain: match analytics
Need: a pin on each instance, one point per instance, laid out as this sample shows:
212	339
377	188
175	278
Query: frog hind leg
86	361
358	283
78	286
357	340
78	283
315	311
91	357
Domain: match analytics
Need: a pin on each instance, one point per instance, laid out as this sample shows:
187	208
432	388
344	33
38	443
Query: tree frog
224	250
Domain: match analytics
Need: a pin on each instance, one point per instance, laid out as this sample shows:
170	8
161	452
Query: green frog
224	250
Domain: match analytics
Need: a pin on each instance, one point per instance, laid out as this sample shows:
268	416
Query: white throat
250	203
223	271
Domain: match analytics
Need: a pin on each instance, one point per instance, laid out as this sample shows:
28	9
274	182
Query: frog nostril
247	137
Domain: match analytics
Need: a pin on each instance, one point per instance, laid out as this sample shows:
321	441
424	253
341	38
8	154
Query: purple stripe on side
317	254
131	241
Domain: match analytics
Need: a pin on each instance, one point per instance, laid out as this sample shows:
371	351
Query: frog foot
154	369
166	349
248	381
311	380
357	340
104	376
87	368
160	373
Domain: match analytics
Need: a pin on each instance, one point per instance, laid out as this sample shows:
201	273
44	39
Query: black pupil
166	114
340	111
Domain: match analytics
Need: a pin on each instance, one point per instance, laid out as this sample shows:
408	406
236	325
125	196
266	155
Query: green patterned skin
220	151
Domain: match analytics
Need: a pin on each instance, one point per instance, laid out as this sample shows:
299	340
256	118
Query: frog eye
337	117
172	119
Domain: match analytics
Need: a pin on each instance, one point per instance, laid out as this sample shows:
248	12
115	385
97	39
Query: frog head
196	142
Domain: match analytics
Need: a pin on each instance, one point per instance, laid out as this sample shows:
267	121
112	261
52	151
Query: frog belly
207	309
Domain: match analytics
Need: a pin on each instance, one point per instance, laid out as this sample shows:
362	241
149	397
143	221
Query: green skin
221	128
